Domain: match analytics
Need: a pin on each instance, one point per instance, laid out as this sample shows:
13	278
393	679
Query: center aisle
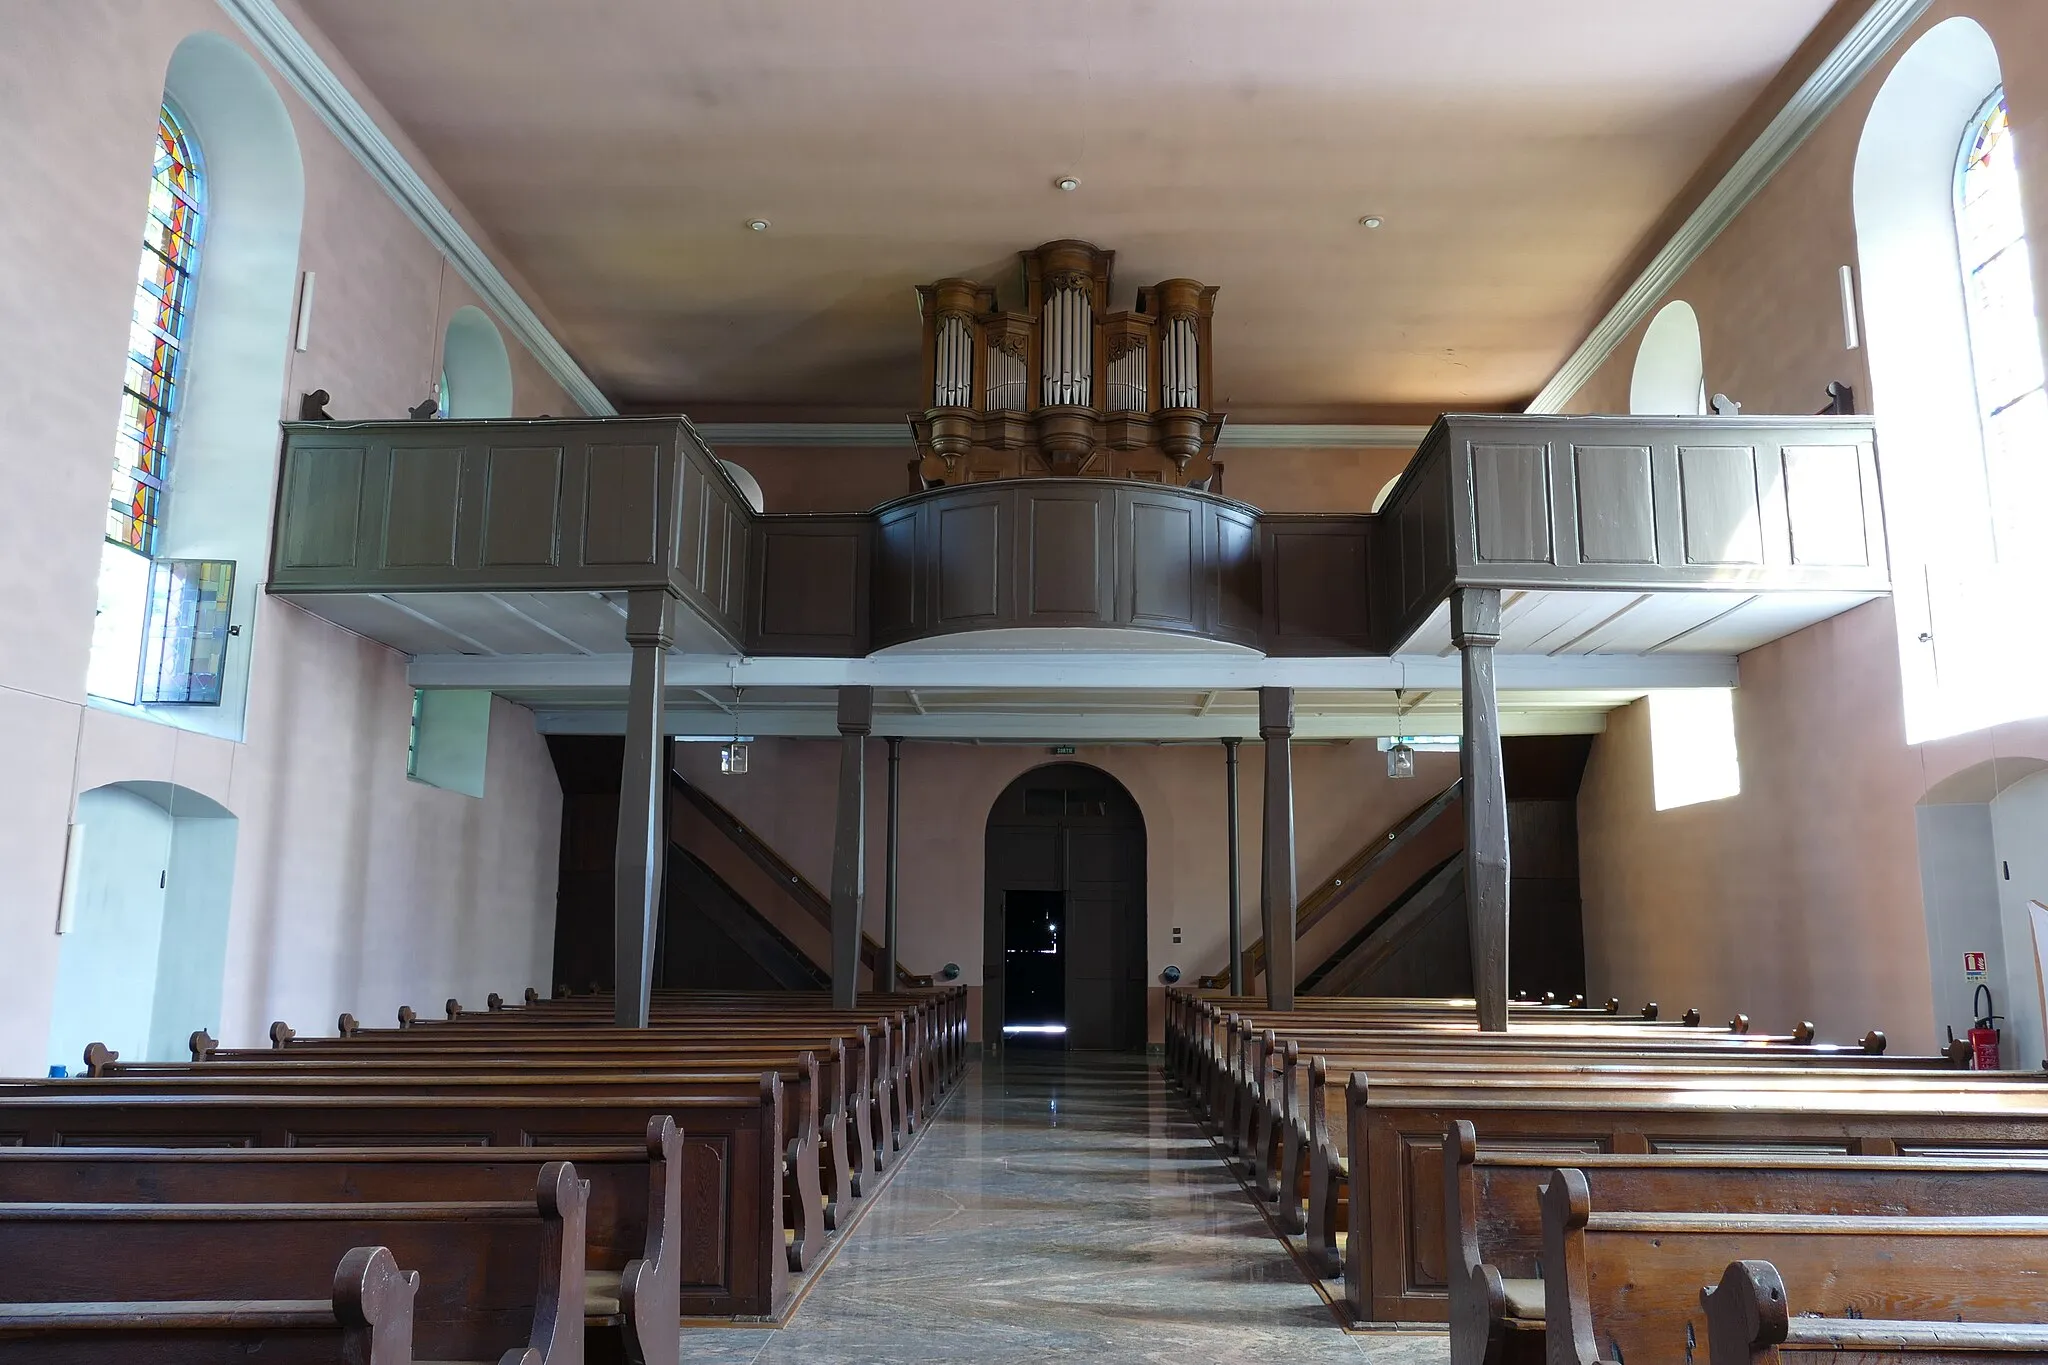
1062	1206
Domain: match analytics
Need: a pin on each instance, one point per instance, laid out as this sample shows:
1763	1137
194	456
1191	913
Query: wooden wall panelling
971	561
1316	576
320	509
1065	553
422	507
1240	600
810	586
898	559
1164	567
622	504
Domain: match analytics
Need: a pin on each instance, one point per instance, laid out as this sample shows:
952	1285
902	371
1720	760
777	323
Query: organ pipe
1066	385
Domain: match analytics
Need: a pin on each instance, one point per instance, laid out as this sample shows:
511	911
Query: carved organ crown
1066	386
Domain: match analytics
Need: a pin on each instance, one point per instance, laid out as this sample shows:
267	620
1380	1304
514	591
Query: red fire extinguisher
1983	1037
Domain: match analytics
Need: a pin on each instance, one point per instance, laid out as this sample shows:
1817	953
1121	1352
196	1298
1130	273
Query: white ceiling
1519	151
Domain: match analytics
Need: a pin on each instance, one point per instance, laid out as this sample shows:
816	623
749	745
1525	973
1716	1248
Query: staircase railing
1338	887
808	897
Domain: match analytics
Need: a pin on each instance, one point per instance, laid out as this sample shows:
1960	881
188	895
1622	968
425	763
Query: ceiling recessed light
758	224
1371	220
1067	182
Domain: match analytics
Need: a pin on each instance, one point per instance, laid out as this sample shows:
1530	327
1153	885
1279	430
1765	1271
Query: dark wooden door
1074	829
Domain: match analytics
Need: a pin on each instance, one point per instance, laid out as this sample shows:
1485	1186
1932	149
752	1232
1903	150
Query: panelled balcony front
1608	534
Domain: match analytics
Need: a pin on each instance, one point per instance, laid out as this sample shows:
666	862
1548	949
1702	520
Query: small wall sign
1973	965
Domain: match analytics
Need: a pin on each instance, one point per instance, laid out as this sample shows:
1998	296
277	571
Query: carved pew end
1613	1004
1739	1024
1874	1042
1650	1010
346	1026
532	996
202	1045
281	1033
99	1059
1804	1033
1691	1019
494	1002
407	1016
453	1007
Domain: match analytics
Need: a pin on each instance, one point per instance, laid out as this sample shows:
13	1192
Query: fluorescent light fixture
1009	1029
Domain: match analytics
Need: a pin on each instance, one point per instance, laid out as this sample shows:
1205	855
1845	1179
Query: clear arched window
156	337
2005	337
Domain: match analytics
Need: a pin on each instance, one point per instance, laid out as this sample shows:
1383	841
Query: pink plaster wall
1342	798
1799	898
355	888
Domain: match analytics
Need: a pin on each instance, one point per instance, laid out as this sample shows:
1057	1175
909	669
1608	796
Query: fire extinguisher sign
1973	966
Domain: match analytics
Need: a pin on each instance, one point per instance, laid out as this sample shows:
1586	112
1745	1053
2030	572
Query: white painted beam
819	723
1078	672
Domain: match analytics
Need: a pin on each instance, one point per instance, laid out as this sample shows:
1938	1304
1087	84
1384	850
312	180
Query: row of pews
1596	1187
525	1183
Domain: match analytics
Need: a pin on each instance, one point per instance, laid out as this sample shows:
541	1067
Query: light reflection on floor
1063	1206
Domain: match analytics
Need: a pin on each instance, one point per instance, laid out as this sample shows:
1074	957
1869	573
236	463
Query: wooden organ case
1067	387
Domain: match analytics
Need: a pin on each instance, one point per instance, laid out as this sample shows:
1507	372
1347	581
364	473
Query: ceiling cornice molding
895	435
281	43
1861	48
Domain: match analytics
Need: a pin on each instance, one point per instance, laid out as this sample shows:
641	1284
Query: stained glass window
156	337
2005	336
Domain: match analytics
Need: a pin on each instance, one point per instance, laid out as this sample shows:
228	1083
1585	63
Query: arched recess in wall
1063	924
476	369
1983	842
747	484
145	922
1670	374
1964	629
217	503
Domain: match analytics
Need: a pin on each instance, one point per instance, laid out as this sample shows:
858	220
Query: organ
1065	386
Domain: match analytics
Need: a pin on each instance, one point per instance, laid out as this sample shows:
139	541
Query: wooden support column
1236	890
636	890
849	842
891	943
1276	855
1475	630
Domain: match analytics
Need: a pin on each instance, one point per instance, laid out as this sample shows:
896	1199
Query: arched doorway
1063	927
145	925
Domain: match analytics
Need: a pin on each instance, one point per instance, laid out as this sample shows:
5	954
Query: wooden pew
802	1194
1622	1285
1750	1322
822	1125
499	1281
1395	1257
368	1320
735	1259
1495	1225
633	1204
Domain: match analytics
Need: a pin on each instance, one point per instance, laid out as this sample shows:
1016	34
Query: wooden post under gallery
849	842
1475	630
1236	890
891	944
1276	855
651	631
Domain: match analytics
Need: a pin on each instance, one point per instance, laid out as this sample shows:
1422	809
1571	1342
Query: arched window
156	337
2005	338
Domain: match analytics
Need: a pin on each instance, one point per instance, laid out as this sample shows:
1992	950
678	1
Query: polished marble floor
1062	1207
